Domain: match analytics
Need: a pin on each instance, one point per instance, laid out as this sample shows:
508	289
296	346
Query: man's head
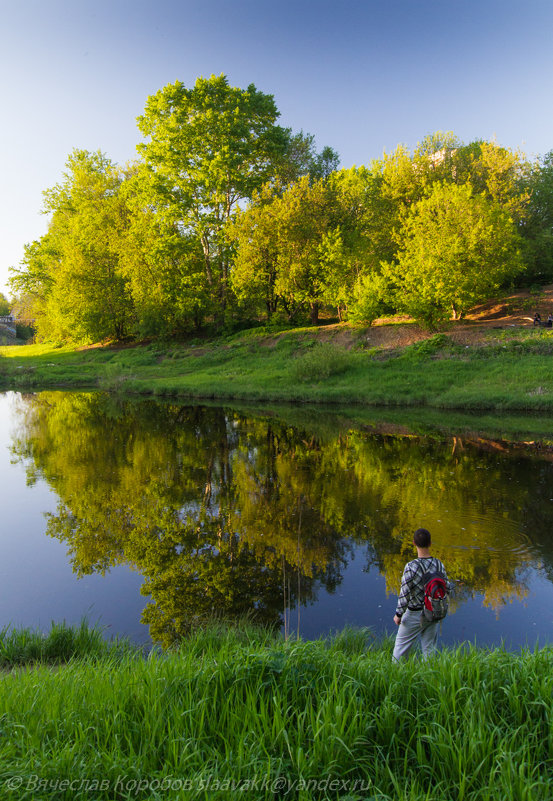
422	538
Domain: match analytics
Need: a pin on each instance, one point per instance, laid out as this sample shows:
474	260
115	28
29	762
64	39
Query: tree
364	218
538	225
457	248
500	174
4	305
310	248
163	265
31	282
288	247
370	295
254	233
301	158
493	171
208	149
73	272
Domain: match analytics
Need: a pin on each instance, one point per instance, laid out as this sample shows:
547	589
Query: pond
150	517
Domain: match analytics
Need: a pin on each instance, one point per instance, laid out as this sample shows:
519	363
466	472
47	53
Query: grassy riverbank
242	713
511	370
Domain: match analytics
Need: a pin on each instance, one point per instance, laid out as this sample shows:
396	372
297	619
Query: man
408	617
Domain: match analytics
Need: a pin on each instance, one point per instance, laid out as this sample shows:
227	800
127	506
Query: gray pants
412	627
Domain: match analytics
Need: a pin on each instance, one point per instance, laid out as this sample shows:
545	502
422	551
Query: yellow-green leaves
457	249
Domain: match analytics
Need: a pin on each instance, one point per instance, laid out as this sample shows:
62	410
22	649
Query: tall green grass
322	361
63	642
241	713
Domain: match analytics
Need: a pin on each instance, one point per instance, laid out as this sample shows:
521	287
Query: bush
369	301
322	361
24	332
428	347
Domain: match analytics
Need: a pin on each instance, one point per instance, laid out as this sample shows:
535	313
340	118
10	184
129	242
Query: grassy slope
233	707
506	374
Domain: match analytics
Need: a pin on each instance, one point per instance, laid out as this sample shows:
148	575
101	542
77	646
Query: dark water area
150	518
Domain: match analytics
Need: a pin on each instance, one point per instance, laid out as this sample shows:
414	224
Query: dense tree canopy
74	272
538	223
228	217
285	243
209	148
457	249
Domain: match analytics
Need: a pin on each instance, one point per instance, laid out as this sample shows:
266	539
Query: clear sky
361	75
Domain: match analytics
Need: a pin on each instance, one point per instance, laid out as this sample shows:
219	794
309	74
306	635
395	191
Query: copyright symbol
14	783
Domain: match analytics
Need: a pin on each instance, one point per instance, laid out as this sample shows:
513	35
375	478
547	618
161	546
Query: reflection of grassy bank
292	366
326	421
241	713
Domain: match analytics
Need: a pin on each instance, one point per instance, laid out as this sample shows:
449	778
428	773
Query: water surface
152	517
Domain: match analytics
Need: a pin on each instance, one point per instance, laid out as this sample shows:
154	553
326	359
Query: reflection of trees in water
154	486
228	515
473	502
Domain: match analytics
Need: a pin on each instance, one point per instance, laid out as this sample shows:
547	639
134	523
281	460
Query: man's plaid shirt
411	593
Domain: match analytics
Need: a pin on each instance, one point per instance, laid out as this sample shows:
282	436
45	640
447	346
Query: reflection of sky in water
38	584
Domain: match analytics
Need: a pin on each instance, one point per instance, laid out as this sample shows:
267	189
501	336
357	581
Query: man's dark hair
422	538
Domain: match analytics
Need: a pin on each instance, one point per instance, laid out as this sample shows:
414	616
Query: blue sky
362	76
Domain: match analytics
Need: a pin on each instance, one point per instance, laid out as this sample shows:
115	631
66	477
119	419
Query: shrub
369	299
428	347
322	361
24	332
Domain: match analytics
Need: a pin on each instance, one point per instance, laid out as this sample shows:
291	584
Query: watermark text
280	785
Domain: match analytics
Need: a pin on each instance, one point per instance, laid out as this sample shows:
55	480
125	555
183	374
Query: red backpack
436	592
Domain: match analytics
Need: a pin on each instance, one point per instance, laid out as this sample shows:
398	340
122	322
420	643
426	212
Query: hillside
511	314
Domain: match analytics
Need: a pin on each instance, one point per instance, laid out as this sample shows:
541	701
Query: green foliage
428	347
538	225
208	148
300	158
364	214
60	644
255	235
287	249
370	294
4	305
321	361
457	249
24	332
73	274
229	218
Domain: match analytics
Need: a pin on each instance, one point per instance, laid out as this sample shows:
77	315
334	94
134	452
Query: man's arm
450	584
403	598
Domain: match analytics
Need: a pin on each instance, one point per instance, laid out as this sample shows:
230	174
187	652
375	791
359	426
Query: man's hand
397	620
